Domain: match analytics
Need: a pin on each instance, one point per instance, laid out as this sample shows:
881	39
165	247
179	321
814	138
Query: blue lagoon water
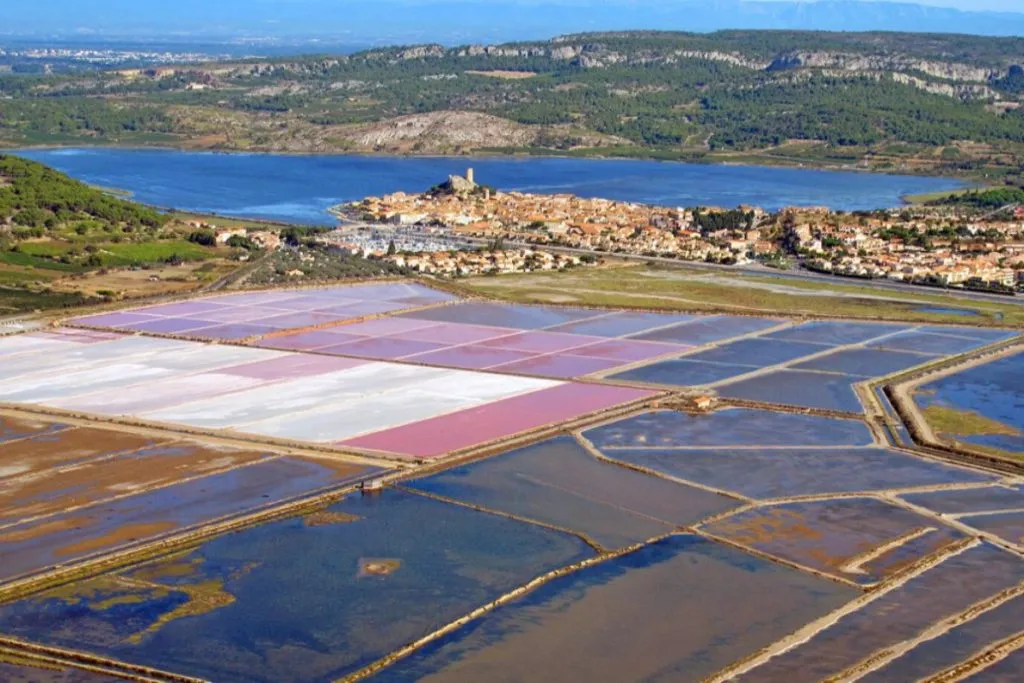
301	188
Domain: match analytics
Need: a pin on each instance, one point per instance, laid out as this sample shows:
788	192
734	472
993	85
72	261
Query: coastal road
749	269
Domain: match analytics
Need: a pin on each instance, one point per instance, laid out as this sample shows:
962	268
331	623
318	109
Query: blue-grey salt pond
963	642
783	472
798	388
952	586
728	427
994	390
558	482
653	615
305	599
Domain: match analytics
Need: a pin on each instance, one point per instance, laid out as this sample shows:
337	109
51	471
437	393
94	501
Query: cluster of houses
564	220
483	262
264	239
931	245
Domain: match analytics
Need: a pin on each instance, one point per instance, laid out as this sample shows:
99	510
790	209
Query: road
749	269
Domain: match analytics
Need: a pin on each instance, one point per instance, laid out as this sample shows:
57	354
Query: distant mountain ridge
454	21
939	103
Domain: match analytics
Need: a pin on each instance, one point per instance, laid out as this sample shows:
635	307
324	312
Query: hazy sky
976	5
496	20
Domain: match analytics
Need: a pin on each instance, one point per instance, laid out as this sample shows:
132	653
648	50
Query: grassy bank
952	422
691	290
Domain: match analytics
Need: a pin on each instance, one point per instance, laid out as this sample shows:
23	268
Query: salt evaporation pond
994	390
310	598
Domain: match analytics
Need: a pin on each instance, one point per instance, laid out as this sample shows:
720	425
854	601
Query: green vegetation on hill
940	104
37	201
56	231
985	199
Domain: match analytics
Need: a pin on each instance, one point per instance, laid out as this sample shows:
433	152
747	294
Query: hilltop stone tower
469	176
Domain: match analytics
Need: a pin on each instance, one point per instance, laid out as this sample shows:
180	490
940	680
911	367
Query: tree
206	238
392	249
241	242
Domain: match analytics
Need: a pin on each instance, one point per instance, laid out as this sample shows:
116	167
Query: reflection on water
558	482
947	589
933	656
653	615
798	471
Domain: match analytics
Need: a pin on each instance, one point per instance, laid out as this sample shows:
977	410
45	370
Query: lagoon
300	189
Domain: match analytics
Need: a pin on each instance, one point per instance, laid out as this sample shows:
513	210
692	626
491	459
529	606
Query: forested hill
37	201
937	103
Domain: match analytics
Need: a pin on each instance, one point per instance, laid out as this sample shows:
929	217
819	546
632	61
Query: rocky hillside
448	132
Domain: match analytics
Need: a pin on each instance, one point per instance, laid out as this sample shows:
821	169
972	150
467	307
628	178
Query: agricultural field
389	482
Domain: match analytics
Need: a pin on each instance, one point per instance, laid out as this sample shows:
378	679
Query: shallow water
944	590
559	482
798	388
782	472
928	343
963	642
728	427
78	533
683	608
994	390
865	362
305	599
301	188
833	333
18	428
1008	526
829	535
1005	671
971	500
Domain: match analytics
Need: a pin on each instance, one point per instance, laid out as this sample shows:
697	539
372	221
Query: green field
153	252
18	300
16	276
48	249
18	258
929	197
689	290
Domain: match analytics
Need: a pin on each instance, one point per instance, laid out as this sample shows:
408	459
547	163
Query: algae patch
327	518
203	598
954	422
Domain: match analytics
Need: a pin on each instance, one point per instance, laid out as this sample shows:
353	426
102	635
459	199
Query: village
939	246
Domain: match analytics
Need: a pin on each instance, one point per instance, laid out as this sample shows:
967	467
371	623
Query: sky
448	21
965	5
